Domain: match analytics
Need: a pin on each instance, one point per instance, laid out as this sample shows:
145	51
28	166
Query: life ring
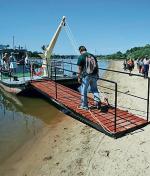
39	71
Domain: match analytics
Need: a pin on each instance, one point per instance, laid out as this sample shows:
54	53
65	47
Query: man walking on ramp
88	74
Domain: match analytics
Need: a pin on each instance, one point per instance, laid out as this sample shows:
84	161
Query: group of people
9	62
143	66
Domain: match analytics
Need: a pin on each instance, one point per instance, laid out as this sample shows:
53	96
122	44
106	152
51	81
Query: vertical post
55	83
55	68
115	106
48	63
23	68
31	68
63	67
71	65
46	66
51	71
148	99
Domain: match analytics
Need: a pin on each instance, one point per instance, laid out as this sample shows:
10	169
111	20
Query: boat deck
21	80
69	99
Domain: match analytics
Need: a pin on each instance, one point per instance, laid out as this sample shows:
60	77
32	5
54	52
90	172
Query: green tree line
134	53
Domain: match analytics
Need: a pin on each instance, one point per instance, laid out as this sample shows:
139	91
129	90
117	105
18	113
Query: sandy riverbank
71	148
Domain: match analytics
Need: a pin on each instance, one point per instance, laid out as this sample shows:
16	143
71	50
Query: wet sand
70	148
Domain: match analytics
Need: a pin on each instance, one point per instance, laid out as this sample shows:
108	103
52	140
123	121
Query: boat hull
15	89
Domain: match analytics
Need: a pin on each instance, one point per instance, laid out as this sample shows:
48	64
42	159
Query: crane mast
49	49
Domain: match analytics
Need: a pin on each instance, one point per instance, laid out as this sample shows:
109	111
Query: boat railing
20	73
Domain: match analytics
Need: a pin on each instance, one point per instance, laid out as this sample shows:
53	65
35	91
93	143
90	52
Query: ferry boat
15	71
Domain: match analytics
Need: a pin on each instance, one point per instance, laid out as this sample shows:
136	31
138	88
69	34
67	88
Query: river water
22	118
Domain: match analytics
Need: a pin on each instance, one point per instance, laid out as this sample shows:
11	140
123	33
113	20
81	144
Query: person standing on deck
6	61
26	60
88	75
13	63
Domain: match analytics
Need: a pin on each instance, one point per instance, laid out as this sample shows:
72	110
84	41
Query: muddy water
22	118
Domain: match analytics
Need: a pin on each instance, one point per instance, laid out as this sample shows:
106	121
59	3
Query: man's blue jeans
86	81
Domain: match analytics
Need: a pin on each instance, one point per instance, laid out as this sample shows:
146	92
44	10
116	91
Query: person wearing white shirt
13	63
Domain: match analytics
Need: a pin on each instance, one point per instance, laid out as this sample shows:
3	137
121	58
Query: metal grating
125	121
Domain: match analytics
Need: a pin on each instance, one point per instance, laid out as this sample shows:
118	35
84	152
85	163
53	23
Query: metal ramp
106	122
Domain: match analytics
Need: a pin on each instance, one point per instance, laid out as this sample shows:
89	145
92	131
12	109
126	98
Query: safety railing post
63	68
71	64
46	65
51	71
115	107
148	99
55	83
30	70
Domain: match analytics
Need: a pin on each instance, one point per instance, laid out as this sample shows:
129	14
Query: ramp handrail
112	82
125	73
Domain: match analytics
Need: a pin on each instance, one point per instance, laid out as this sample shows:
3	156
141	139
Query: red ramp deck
69	99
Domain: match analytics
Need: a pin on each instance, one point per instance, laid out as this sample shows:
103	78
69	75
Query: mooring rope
104	127
94	117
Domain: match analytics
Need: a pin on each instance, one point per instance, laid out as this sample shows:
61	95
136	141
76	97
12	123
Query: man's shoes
106	101
98	105
83	107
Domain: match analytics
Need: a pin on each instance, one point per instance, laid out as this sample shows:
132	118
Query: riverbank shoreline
73	148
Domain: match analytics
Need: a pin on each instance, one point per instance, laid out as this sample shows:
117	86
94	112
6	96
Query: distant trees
118	55
138	52
134	53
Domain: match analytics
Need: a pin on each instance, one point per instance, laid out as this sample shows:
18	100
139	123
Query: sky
103	26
